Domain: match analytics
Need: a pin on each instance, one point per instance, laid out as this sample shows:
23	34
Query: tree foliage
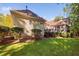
8	21
73	11
2	18
57	18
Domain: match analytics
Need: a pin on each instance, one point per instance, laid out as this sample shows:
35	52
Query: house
27	20
57	26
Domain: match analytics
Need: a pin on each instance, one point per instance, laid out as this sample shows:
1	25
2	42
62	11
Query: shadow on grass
51	47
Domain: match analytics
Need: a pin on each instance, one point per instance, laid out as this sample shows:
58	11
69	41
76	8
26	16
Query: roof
55	23
27	14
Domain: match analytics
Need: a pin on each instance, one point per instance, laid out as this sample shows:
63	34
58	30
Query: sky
46	10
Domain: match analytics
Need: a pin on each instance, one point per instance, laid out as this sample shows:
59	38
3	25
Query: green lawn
50	47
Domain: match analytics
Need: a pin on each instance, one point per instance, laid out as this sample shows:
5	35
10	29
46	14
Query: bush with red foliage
7	40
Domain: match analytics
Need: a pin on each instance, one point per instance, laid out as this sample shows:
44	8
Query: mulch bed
11	40
6	40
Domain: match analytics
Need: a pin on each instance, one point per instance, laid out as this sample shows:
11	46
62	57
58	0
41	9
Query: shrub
36	30
17	32
49	34
64	34
17	29
37	33
4	31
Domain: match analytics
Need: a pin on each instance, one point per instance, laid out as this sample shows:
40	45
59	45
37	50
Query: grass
50	47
